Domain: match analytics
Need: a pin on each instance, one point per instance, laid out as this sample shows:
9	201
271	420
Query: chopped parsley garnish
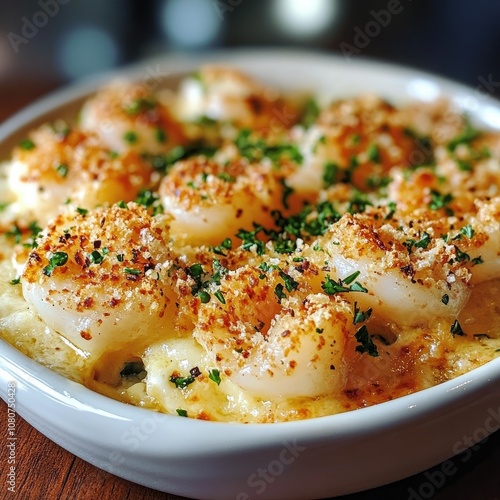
439	201
461	256
57	259
326	215
256	149
330	174
220	297
131	271
264	266
423	242
196	270
311	221
279	151
181	382
355	139
97	257
477	260
351	277
284	245
249	149
82	211
225	245
366	342
358	203
205	120
140	105
34	230
456	329
378	182
290	283
392	210
146	198
133	369
204	297
249	239
15	281
214	375
353	164
15	233
122	204
160	135
4	205
466	137
27	144
278	291
310	112
373	153
357	287
219	271
181	412
468	231
120	257
226	177
199	288
62	170
162	163
287	192
445	299
360	316
332	287
130	137
463	165
150	200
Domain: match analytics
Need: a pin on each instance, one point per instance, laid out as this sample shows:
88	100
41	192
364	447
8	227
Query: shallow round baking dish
313	458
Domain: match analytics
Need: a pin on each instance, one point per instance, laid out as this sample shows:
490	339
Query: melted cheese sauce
193	259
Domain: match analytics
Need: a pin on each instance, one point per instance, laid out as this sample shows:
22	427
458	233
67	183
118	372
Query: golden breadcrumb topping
227	252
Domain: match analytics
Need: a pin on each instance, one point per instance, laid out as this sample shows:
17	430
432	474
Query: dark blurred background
46	43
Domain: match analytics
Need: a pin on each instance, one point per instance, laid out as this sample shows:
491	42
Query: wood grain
45	470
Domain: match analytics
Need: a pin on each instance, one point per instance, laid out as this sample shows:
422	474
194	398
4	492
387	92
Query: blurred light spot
305	18
190	23
87	50
423	90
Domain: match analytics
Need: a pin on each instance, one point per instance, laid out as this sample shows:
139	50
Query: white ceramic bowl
298	460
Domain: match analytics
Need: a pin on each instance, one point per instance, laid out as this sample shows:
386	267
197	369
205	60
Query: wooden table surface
46	471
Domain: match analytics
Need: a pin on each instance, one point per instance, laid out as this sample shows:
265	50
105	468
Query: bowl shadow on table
473	473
